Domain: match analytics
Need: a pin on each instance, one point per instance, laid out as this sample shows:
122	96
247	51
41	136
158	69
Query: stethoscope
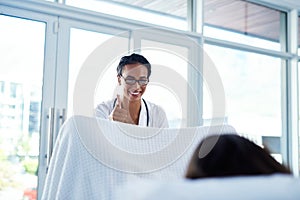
145	107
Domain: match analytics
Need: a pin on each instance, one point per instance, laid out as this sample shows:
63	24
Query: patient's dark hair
133	59
231	155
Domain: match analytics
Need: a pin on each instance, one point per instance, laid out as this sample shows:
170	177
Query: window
299	118
1	86
298	36
80	50
158	91
243	22
15	90
252	84
21	67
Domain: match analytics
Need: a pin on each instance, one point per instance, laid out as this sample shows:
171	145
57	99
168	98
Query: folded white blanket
94	156
269	187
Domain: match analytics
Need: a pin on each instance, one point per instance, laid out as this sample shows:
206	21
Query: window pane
299	118
243	22
82	44
171	14
298	36
252	84
21	74
177	8
158	91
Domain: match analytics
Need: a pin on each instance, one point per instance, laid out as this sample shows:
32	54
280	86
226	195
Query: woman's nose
136	85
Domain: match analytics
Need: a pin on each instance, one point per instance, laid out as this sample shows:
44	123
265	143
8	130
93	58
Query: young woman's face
132	89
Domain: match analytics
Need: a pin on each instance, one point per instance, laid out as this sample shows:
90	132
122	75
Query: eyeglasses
132	81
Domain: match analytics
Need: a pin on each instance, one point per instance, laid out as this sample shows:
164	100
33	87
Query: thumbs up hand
121	111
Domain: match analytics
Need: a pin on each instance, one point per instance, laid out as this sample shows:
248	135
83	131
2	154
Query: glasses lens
130	81
143	82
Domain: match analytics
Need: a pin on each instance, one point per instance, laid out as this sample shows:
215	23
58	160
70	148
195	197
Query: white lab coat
157	116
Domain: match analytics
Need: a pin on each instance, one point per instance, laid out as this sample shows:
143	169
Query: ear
119	80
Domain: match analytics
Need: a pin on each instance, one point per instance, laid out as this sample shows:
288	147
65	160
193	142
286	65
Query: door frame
49	70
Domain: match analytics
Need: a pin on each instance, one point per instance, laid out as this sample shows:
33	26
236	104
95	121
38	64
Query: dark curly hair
133	59
231	155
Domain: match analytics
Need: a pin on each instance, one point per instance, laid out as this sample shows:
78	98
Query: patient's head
231	155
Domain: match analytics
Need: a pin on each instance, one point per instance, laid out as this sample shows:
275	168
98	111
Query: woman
231	155
128	106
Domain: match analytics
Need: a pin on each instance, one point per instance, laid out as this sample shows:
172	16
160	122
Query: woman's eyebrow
134	77
130	76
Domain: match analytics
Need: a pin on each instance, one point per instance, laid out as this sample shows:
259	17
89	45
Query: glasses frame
135	81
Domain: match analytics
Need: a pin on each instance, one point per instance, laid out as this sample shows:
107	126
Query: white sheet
272	187
94	156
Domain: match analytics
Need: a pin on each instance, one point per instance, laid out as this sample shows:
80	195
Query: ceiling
179	7
235	15
243	17
290	4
